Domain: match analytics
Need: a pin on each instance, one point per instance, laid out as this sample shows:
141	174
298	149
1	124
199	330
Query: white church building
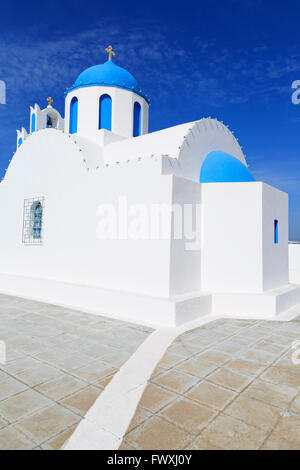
92	206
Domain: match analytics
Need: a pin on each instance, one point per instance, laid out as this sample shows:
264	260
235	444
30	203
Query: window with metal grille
33	221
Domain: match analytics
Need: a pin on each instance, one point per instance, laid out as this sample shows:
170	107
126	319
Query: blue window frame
136	119
37	220
20	141
73	115
105	106
276	231
33	123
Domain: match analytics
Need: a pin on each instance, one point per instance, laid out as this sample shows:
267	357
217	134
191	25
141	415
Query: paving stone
80	402
12	439
288	428
140	416
212	395
197	367
43	425
22	404
227	433
253	412
157	433
175	381
279	375
229	379
246	367
60	388
155	398
276	395
188	415
10	387
58	442
94	371
39	375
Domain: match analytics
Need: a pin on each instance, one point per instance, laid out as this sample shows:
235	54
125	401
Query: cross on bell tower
110	52
50	101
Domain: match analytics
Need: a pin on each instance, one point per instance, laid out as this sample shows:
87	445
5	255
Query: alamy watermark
2	352
296	94
2	92
136	221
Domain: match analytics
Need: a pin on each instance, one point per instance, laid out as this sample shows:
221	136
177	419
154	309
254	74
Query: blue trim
33	122
276	231
137	115
73	115
75	87
20	141
220	167
105	112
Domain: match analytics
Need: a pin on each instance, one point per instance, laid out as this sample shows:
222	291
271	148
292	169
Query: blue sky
230	59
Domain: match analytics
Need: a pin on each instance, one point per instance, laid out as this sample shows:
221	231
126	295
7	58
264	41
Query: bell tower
106	97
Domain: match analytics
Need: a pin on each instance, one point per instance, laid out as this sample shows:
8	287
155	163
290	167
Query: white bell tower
106	97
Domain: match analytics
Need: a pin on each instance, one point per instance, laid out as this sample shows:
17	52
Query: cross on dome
110	52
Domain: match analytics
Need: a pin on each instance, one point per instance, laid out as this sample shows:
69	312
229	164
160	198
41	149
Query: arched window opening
73	115
49	122
37	214
105	106
20	141
136	119
33	123
33	221
276	239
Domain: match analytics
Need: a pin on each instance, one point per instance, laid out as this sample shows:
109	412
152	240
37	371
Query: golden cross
50	101
110	52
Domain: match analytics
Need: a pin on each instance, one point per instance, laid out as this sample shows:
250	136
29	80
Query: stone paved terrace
229	384
58	362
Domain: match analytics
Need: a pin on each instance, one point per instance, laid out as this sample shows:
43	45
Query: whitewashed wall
294	262
49	164
238	239
275	256
122	111
236	252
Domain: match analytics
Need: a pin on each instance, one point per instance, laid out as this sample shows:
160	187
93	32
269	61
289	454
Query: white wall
185	267
122	110
49	164
236	253
275	256
239	254
294	262
232	237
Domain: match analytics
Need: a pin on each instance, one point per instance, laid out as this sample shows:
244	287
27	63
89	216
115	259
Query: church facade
73	178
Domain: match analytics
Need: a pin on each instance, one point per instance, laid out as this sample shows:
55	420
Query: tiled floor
58	362
230	384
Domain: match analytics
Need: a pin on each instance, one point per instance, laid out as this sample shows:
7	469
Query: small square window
33	221
276	232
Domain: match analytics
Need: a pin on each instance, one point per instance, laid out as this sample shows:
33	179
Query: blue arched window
20	141
136	119
105	112
33	123
37	214
73	115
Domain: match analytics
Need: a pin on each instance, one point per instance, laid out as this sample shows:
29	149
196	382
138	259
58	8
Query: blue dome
108	74
220	167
